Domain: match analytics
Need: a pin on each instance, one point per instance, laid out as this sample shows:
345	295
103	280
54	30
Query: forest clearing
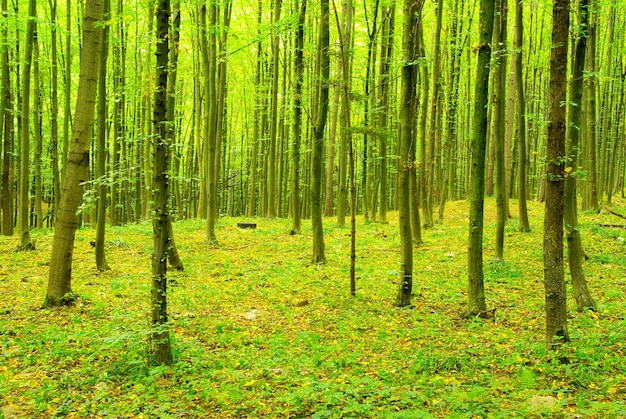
260	332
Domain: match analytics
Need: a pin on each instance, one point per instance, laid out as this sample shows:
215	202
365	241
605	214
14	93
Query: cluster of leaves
259	332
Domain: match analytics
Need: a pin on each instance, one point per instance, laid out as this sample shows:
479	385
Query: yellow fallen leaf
249	383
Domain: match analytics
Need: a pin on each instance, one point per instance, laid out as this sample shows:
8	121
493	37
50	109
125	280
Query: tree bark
101	154
321	113
554	281
572	232
297	120
408	112
476	289
160	338
23	218
522	164
59	281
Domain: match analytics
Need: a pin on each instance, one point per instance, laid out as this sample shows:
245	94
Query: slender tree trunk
67	85
36	114
160	338
590	123
572	232
59	281
54	111
522	164
476	304
434	136
386	55
345	88
7	133
554	281
271	175
321	113
101	136
499	100
297	119
408	111
23	219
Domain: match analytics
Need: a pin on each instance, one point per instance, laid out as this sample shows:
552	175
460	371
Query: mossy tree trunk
408	112
320	116
497	128
572	232
59	290
101	136
522	163
476	289
23	207
554	281
7	132
160	338
297	119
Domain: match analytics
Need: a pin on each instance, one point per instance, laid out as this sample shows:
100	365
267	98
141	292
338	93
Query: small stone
539	403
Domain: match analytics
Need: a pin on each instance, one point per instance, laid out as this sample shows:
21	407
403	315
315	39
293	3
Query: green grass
312	351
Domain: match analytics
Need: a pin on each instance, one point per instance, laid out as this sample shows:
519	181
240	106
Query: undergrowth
260	332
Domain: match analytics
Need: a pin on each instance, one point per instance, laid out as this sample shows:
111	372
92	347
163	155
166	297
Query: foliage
260	332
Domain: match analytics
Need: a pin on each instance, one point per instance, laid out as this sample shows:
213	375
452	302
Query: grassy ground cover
259	332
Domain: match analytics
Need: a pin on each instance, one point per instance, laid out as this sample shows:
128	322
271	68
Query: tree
522	165
476	289
297	120
570	215
7	131
408	111
320	116
554	281
23	218
160	338
101	155
77	172
497	128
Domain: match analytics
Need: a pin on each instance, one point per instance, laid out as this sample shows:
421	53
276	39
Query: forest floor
259	332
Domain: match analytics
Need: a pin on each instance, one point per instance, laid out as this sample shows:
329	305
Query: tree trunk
7	133
160	338
408	111
386	56
476	289
37	134
23	218
271	175
59	281
101	136
522	164
572	232
54	111
554	281
321	112
297	120
499	100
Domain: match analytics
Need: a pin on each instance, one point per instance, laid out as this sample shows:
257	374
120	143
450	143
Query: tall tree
297	119
408	112
271	166
54	111
554	276
23	223
497	128
160	338
434	136
77	172
101	137
476	288
572	232
7	130
320	116
522	164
